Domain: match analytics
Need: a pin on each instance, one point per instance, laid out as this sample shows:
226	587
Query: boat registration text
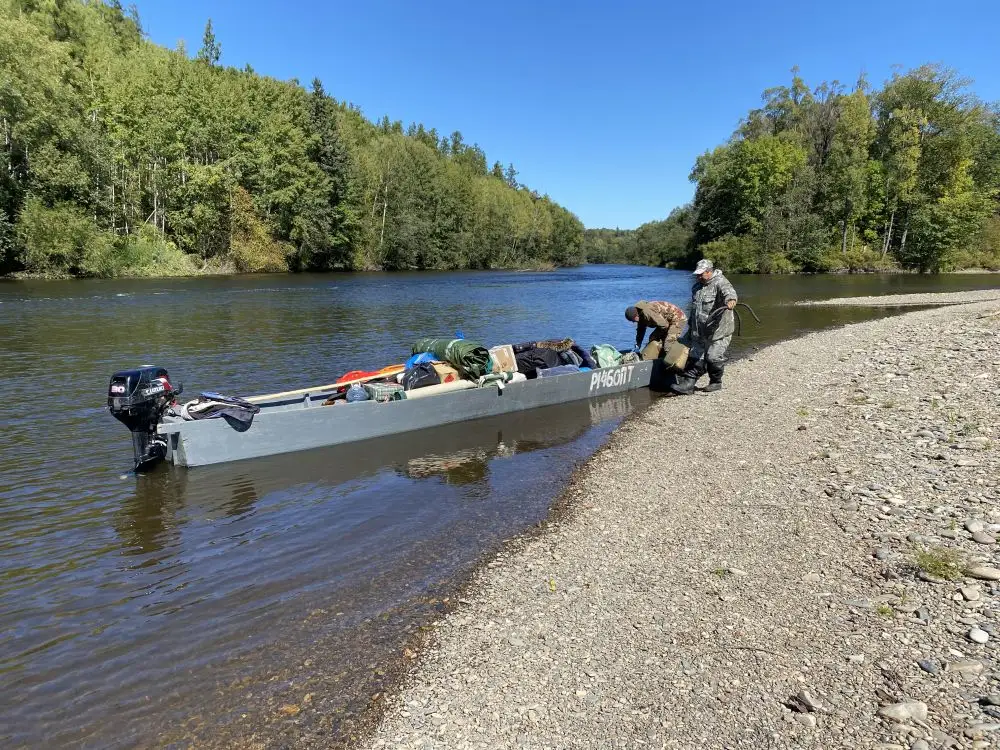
610	378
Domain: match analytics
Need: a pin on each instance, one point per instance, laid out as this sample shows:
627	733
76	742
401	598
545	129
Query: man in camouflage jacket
712	301
665	318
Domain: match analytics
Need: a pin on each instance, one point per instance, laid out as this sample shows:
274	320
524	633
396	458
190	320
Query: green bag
606	355
470	358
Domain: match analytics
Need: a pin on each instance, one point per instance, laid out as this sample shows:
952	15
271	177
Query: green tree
813	180
253	249
739	183
211	50
143	158
510	175
324	221
845	174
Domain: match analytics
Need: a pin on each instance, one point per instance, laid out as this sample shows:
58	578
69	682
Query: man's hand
731	304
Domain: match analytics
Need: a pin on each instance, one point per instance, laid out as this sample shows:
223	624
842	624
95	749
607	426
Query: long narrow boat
287	423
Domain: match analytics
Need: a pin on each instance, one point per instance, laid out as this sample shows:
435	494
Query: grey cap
703	265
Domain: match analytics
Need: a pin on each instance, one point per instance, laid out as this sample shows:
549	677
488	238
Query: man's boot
715	370
683	384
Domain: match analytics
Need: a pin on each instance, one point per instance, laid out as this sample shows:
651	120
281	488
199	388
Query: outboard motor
137	398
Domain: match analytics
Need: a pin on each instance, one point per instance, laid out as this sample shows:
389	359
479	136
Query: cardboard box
503	358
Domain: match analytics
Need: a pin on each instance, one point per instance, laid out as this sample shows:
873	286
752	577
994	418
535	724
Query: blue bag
356	393
418	359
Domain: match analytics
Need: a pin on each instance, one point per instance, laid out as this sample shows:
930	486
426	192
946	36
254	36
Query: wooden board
387	372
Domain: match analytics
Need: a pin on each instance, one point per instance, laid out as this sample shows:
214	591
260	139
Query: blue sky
602	105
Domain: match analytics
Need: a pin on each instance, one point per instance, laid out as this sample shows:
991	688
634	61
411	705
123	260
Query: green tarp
606	355
470	358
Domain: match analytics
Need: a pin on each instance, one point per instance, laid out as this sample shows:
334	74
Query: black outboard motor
137	398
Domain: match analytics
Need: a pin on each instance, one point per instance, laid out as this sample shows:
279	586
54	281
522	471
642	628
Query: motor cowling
137	398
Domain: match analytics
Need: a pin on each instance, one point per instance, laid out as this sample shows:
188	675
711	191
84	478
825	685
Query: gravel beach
806	559
907	300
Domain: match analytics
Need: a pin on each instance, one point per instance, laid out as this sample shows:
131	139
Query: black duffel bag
531	361
420	375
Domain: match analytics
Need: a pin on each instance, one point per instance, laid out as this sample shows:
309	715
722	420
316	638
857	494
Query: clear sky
602	105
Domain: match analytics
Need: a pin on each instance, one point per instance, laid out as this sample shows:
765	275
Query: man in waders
712	301
665	318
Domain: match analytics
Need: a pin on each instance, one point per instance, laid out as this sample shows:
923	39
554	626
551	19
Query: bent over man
712	301
665	318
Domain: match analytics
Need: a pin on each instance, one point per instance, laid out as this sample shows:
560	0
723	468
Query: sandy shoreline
724	553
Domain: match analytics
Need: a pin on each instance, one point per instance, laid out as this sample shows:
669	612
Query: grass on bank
940	562
884	610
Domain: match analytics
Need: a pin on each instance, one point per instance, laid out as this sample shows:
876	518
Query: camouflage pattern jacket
664	315
707	298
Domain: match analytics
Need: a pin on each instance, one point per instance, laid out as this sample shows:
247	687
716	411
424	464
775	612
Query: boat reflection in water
447	452
469	465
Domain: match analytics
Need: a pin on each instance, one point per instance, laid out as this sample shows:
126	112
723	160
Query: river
273	596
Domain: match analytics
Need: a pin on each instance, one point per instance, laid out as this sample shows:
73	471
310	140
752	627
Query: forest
906	177
124	158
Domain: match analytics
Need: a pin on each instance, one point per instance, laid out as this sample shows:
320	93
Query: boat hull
285	427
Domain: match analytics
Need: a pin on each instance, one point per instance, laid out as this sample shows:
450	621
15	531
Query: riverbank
187	269
775	565
210	269
909	300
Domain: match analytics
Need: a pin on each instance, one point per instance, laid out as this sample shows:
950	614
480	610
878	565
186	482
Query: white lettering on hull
610	377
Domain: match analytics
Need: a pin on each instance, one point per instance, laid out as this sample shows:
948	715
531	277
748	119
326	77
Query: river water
150	610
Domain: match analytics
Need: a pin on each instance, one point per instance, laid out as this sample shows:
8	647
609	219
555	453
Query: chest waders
709	356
